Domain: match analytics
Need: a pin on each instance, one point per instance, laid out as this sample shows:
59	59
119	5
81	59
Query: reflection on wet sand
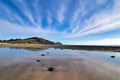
18	64
65	69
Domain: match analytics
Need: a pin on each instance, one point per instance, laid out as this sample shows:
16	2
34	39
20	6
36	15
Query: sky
76	22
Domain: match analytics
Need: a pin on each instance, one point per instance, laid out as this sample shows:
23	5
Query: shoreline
20	64
73	47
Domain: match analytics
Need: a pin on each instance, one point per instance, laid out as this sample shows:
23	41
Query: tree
0	40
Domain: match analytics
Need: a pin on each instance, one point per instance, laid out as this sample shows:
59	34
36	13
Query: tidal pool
22	64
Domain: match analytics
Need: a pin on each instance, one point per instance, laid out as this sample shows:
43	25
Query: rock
58	43
42	54
112	56
50	69
38	60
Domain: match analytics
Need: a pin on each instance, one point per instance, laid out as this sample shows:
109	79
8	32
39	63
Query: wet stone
112	56
50	69
42	54
37	60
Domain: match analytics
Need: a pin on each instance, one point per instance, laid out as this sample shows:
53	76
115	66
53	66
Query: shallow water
20	64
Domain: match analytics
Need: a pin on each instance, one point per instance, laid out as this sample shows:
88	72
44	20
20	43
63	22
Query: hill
33	40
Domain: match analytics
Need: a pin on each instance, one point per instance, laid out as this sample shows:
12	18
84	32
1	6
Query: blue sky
79	22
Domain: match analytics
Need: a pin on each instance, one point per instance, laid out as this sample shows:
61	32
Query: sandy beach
65	69
22	64
74	47
25	45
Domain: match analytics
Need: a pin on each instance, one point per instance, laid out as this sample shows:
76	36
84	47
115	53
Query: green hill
33	40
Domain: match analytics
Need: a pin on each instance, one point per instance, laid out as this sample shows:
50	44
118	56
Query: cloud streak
106	20
61	13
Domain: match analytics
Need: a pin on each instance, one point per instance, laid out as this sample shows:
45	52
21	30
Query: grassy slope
33	40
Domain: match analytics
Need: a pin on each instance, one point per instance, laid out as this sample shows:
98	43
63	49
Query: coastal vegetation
33	40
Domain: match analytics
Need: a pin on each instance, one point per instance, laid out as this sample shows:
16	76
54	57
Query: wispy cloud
15	28
75	22
60	13
106	20
100	1
23	30
49	20
23	6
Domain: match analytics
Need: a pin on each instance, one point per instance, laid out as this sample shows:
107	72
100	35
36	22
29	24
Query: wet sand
65	69
74	47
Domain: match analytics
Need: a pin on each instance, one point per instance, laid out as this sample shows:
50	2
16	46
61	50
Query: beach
65	69
24	64
74	47
17	45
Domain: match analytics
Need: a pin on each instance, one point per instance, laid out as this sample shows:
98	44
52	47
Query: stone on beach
50	68
112	56
42	54
38	60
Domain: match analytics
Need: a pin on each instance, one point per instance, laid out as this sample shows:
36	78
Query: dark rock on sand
112	56
42	54
50	69
37	60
